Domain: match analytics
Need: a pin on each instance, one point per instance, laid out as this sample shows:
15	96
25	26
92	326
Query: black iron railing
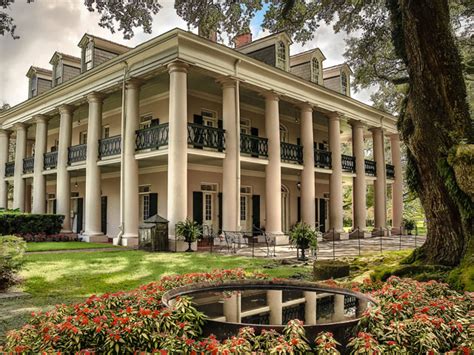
370	167
200	136
390	171
293	312
110	146
28	165
77	153
291	152
254	145
10	168
152	137
348	163
50	160
322	159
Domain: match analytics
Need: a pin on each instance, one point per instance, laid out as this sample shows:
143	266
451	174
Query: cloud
58	25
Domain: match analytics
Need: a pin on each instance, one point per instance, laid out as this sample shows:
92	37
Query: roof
65	57
335	70
102	42
263	42
38	70
306	56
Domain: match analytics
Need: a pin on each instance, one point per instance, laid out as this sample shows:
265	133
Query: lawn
50	246
53	278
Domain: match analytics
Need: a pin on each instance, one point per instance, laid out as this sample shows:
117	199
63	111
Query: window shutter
322	215
80	214
299	209
197	119
153	204
54	206
197	207
255	211
219	197
103	214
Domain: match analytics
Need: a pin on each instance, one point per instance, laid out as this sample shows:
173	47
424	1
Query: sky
46	26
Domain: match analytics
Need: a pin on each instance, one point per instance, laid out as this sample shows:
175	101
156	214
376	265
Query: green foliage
409	224
13	222
304	235
189	230
12	250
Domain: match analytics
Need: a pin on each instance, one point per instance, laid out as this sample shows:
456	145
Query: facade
235	138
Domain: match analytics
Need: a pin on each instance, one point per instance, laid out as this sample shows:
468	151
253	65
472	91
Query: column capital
40	119
227	82
336	115
305	107
357	124
66	109
95	97
376	129
5	132
20	126
134	83
270	95
178	66
394	136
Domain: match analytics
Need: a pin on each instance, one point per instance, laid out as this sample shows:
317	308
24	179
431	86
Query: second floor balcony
110	146
28	165
291	152
370	167
348	163
255	146
77	153
153	137
390	171
201	136
322	159
10	168
50	160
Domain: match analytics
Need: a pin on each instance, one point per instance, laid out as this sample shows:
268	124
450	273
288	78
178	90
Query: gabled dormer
65	67
338	78
273	50
308	65
39	81
96	50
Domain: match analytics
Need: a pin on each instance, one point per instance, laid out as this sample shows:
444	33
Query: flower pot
189	250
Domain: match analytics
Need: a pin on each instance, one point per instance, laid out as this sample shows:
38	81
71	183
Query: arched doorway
285	209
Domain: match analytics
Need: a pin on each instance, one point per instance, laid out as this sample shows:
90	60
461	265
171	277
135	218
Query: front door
245	220
208	210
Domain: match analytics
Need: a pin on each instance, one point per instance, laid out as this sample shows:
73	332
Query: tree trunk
435	119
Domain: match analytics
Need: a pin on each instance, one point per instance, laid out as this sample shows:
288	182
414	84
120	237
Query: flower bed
411	317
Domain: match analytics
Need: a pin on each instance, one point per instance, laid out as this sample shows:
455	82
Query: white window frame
314	73
344	87
58	79
83	137
144	200
106	131
286	136
34	86
245	126
245	193
281	55
89	55
206	119
145	120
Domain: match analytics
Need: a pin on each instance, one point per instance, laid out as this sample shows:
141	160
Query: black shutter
298	141
103	214
316	217
197	137
153	204
254	131
255	211
197	119
220	143
80	214
219	197
299	210
254	145
54	206
322	215
197	207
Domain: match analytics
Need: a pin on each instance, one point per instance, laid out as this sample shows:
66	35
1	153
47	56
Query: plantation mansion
182	126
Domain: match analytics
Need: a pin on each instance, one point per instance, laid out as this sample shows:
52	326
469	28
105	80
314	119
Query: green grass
71	277
49	246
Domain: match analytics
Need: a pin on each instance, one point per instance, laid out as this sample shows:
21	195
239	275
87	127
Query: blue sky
49	25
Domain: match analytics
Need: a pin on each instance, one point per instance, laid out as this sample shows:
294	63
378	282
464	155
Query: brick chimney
243	39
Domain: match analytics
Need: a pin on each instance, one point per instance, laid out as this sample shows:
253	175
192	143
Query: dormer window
315	70
344	83
281	55
88	56
33	86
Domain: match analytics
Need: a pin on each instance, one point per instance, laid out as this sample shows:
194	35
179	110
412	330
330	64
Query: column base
397	230
359	234
380	232
334	235
94	238
66	231
282	239
129	241
180	245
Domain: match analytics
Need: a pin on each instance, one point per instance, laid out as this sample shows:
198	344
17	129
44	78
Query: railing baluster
348	163
200	136
370	167
322	159
253	145
50	160
77	153
110	146
152	137
9	168
292	152
28	165
390	171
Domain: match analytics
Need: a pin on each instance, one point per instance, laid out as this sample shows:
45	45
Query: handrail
152	137
370	167
28	165
322	159
390	171
348	163
110	146
50	160
200	136
291	152
254	145
77	153
9	168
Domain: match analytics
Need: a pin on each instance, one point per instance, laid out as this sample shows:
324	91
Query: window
88	56
209	117
245	126
344	83
208	207
33	86
243	208
281	55
83	137
245	195
314	70
58	74
144	196
145	120
283	134
209	187
106	131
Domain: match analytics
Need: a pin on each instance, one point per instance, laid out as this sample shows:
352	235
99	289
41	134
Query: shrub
11	258
26	223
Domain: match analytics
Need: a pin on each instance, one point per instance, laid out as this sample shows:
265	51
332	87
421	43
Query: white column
338	314
359	188
4	144
335	181
397	187
92	231
275	303
19	182
63	184
131	180
39	181
307	176
310	308
273	169
380	212
232	308
177	146
231	164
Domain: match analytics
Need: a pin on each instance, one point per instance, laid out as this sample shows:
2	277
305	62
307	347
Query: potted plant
189	230
409	225
304	236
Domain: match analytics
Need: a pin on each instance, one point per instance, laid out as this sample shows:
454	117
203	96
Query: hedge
12	250
27	223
